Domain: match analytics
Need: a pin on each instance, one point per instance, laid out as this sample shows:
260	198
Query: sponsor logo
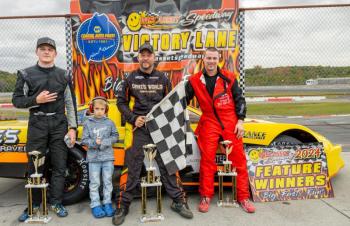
97	38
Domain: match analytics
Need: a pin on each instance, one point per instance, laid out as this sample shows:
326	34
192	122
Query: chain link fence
18	44
289	46
285	46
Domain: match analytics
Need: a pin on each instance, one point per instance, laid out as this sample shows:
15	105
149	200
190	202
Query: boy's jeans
95	169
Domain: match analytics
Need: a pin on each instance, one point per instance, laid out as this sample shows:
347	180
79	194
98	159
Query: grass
293	109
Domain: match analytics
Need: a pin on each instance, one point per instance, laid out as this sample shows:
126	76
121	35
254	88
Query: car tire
285	140
76	185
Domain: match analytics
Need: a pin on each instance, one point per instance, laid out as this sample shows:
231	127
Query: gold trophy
151	181
36	181
228	171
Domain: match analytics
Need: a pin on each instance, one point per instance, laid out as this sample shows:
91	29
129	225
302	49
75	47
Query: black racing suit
143	91
47	123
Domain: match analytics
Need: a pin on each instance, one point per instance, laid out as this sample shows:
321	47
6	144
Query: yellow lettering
280	182
232	39
309	181
317	167
258	171
272	183
210	39
307	168
290	182
267	171
136	42
127	42
222	39
175	43
296	169
261	184
155	38
144	38
277	171
185	37
320	180
286	169
198	43
300	181
165	42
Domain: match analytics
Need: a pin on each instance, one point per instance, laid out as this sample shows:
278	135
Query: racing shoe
182	209
204	204
119	216
247	206
24	216
60	210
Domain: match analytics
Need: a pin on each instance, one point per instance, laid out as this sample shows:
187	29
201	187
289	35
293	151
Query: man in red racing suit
223	111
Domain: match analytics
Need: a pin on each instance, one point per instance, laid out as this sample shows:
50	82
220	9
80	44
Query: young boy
98	135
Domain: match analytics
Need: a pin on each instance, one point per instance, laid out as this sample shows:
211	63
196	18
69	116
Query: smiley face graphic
134	21
254	155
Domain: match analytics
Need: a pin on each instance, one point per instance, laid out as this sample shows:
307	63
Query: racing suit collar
45	69
146	74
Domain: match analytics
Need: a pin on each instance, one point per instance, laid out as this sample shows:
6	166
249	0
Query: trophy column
36	181
151	181
227	171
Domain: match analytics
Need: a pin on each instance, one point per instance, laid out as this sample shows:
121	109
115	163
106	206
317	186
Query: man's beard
146	66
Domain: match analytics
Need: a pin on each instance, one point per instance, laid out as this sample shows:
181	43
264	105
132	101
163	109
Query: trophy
151	181
36	181
227	171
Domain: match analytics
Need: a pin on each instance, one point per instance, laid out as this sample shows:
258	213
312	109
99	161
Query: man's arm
20	98
238	98
189	92
123	102
70	103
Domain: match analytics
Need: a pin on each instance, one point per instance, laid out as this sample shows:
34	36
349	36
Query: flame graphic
89	78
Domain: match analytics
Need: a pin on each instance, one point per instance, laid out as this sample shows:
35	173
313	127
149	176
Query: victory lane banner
280	173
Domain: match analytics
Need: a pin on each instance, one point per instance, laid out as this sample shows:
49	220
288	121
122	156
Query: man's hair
99	101
212	49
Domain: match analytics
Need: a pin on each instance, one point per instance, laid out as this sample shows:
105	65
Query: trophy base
38	220
232	204
151	218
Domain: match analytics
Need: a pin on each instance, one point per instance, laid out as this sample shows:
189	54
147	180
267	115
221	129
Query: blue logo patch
97	38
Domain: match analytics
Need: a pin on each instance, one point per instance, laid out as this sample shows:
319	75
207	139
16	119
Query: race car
13	157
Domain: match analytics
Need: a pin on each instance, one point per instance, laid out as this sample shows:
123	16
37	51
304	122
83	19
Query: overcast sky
270	35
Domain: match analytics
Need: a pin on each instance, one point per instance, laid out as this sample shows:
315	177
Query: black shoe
119	216
182	209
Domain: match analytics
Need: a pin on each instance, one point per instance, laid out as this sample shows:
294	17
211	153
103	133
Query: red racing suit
218	121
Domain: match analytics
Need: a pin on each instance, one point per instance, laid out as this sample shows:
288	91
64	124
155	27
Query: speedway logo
194	18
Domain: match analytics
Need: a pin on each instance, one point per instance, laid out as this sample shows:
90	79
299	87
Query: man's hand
239	130
72	135
140	121
45	97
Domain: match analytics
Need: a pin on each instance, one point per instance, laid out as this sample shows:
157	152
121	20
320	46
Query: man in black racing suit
46	90
136	96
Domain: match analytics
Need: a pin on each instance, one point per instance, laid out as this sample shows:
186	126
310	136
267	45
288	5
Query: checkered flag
169	126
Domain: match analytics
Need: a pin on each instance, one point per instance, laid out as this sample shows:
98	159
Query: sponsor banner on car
280	173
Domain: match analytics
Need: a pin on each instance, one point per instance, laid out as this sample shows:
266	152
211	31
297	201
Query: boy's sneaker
204	204
24	216
119	216
108	210
247	206
60	210
182	209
